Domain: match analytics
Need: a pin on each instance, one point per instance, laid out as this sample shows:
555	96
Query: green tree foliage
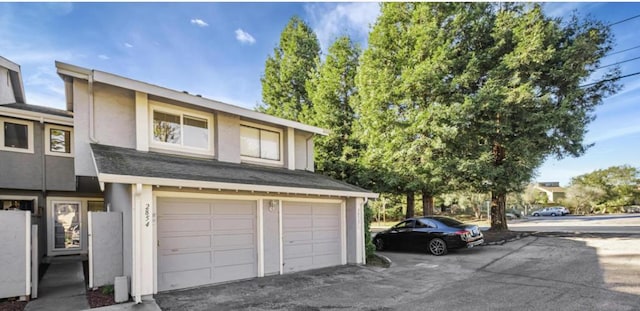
332	90
286	72
492	89
581	199
617	185
400	111
525	97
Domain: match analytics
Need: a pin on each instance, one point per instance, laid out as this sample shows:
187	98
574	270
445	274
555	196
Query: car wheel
553	214
379	243
437	247
536	214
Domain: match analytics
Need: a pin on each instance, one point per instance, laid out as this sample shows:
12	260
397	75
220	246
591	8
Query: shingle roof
40	109
123	161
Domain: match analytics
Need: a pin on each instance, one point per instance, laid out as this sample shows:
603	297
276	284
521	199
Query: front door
67	224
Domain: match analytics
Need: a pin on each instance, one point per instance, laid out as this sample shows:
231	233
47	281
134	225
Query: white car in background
551	211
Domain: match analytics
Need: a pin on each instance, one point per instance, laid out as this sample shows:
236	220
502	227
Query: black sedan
435	234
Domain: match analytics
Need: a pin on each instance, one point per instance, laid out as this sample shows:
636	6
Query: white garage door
311	235
205	241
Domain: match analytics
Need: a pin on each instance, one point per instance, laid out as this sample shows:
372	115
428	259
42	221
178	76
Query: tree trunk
411	204
427	203
498	218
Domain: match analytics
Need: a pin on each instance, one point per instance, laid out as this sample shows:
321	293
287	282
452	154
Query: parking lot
585	272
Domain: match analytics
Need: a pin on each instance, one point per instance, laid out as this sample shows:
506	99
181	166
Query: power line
618	52
612	79
620	62
624	20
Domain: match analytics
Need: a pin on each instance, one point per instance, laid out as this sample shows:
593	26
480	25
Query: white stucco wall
6	90
303	151
228	137
114	117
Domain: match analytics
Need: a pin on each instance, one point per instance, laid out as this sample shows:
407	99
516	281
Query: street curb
504	241
385	259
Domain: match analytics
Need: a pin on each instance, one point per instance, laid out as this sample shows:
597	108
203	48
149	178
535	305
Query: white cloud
103	57
244	37
128	45
612	133
199	22
330	21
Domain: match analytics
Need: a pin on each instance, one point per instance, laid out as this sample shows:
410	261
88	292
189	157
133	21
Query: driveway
535	273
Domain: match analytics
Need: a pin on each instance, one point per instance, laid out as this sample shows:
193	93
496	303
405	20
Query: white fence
105	247
18	272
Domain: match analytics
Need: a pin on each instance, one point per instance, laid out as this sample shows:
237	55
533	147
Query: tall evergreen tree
286	72
332	91
477	94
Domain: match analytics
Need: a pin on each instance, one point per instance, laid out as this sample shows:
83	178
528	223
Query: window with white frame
181	129
59	140
260	143
16	135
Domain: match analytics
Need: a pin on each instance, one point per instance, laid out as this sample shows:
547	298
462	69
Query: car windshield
448	221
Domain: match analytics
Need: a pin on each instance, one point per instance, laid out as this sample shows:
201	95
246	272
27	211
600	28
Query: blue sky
218	50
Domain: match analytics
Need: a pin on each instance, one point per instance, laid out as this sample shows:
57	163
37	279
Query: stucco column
355	231
144	227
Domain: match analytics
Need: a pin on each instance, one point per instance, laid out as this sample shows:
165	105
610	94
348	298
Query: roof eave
157	181
65	69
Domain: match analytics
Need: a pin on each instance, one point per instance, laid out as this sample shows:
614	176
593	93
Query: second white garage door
205	241
311	235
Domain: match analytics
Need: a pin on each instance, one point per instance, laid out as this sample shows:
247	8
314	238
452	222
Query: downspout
306	148
44	162
136	247
92	131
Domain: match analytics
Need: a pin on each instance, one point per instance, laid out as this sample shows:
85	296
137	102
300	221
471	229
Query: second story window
59	140
260	143
17	135
184	130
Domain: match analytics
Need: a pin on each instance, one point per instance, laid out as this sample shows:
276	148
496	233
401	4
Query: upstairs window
58	140
182	130
17	135
260	143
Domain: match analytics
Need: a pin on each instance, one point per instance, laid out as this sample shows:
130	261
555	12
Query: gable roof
68	70
123	165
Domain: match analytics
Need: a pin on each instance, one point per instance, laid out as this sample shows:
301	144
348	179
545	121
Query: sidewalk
61	288
130	306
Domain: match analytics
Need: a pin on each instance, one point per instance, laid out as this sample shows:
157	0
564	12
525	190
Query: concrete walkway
61	288
130	306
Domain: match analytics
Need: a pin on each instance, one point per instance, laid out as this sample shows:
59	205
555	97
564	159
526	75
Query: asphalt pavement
613	223
535	273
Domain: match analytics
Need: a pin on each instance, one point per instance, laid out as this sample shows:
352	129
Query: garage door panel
326	222
297	236
233	208
237	272
298	250
299	264
182	279
326	234
184	225
326	260
298	221
296	208
325	209
233	224
185	242
185	261
186	208
212	241
311	235
233	257
326	248
229	241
